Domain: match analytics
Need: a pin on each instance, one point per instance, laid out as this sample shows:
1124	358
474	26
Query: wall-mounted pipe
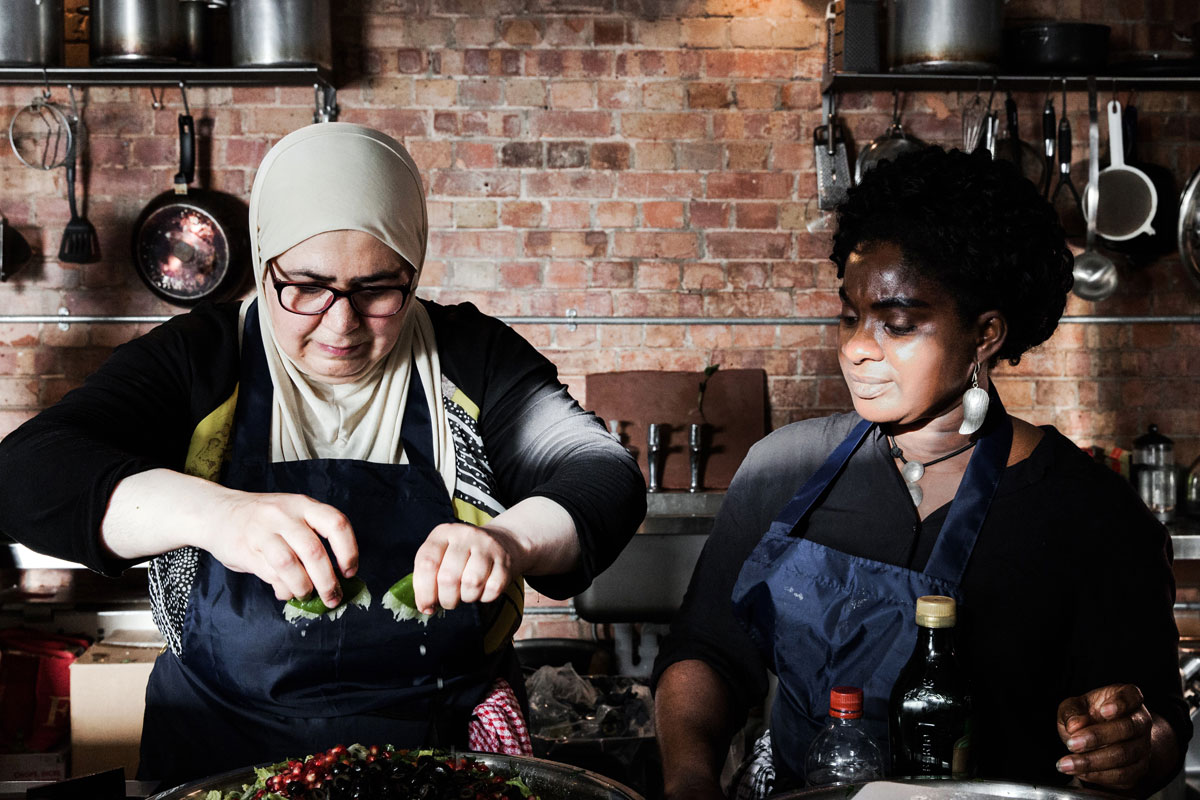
573	320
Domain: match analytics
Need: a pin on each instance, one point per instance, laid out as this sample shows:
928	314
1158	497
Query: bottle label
960	766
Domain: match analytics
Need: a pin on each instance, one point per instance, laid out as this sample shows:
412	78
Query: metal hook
183	93
45	84
1064	92
157	98
895	105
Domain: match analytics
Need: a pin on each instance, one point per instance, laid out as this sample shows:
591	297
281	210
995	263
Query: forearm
695	720
544	534
160	510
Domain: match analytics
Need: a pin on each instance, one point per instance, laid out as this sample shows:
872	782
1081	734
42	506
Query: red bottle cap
845	702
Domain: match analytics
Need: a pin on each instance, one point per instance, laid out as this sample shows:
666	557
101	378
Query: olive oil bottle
930	707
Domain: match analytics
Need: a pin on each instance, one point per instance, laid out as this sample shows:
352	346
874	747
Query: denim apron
822	618
253	687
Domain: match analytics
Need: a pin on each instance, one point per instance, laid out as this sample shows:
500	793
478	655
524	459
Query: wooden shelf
166	76
937	82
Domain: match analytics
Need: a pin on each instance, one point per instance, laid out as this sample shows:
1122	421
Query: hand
1107	731
461	563
278	538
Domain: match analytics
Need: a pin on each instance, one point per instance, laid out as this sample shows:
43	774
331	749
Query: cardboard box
108	698
50	766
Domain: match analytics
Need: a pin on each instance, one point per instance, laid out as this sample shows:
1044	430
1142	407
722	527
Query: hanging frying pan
191	244
1188	232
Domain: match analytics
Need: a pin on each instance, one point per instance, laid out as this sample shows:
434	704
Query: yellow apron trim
209	447
509	608
465	512
467	404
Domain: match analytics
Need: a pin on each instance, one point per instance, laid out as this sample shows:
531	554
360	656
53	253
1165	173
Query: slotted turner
80	245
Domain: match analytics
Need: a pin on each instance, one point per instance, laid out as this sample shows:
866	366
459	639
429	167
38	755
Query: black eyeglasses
311	299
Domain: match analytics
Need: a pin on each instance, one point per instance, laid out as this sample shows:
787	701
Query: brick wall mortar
615	158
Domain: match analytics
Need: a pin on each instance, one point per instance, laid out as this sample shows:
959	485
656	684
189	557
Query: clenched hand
462	563
1108	732
278	537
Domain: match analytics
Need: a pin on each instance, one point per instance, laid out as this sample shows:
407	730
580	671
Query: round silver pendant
913	471
916	493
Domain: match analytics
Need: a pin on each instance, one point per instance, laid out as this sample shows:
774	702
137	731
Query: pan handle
1010	113
1064	146
1048	145
187	153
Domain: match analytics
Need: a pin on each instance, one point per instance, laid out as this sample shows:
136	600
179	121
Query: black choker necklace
913	471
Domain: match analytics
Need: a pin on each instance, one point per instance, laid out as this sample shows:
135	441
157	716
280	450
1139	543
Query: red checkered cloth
497	725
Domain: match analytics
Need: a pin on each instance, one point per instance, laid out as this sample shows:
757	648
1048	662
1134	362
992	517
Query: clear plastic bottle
843	752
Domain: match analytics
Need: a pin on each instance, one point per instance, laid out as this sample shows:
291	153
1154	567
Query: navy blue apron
253	687
822	618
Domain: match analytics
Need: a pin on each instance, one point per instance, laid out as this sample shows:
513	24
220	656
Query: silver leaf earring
975	405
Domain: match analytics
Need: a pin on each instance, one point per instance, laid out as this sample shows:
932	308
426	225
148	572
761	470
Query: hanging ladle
1095	273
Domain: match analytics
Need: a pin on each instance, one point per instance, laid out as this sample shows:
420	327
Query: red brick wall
617	158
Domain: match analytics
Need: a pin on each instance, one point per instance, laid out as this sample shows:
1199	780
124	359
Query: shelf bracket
326	103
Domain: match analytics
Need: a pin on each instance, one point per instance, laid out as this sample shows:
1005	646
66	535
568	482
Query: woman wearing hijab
339	486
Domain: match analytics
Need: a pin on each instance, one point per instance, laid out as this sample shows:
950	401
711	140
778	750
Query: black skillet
190	244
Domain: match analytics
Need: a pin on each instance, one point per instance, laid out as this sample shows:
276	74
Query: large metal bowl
896	788
549	780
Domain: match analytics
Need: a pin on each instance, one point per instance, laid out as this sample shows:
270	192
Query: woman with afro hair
833	527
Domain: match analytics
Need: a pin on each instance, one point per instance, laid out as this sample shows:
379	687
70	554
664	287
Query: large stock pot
945	35
31	33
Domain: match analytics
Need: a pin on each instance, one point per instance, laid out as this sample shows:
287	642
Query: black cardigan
138	412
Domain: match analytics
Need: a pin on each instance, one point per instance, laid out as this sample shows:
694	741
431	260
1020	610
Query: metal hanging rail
64	319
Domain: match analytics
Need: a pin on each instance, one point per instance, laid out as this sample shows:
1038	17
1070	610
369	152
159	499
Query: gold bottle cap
935	611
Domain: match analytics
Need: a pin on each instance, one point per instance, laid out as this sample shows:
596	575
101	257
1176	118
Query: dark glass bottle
929	713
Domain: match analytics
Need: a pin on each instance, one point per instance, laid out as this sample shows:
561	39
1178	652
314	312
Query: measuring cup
1127	198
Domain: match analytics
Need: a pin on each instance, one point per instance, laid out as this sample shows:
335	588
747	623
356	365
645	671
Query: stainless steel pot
945	35
31	33
279	32
196	32
549	780
135	32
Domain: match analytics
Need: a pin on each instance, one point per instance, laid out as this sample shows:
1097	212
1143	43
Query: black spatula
80	245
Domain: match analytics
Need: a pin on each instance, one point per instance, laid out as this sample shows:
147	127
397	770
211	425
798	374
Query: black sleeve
1125	629
136	413
541	443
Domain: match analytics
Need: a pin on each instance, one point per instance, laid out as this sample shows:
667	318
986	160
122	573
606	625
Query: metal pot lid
1189	225
182	253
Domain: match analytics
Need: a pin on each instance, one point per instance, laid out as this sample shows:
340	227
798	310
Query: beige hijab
339	176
